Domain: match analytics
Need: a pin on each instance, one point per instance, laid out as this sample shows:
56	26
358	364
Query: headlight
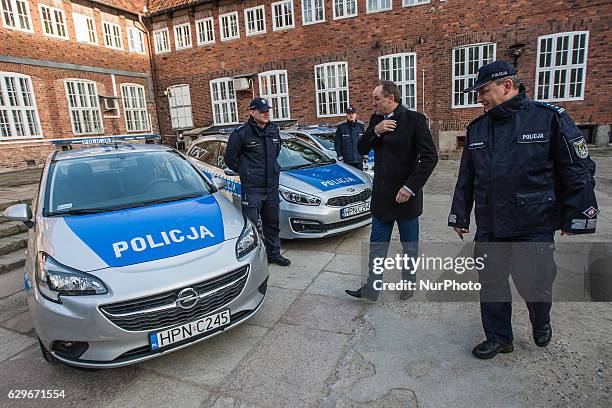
54	279
247	241
299	198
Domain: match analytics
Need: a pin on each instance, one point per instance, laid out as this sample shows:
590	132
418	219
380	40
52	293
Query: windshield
325	139
117	181
296	154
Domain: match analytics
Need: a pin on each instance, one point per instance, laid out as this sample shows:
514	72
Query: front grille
160	310
341	201
317	227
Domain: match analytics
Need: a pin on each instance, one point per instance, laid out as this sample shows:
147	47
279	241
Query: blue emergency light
103	140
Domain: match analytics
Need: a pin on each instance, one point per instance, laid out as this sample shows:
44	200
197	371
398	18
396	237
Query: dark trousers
358	166
262	209
529	260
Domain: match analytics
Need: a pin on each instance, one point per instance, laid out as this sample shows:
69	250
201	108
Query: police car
319	196
132	253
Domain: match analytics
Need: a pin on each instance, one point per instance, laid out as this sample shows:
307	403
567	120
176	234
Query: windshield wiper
158	201
304	166
82	211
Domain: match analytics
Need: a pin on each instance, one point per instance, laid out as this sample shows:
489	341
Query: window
135	108
332	88
182	36
180	106
345	9
466	61
206	31
135	40
53	21
255	20
83	107
112	35
16	15
161	40
273	87
374	6
313	11
229	26
401	69
409	3
85	28
561	66
223	97
282	15
18	113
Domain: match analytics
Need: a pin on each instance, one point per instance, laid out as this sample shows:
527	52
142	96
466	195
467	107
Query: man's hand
386	125
402	196
566	233
340	158
461	231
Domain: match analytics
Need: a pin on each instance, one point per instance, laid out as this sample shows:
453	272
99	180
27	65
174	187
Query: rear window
116	181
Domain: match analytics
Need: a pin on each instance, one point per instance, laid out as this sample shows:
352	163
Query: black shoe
360	294
489	349
406	294
542	335
279	260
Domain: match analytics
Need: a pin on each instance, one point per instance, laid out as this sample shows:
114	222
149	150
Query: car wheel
46	353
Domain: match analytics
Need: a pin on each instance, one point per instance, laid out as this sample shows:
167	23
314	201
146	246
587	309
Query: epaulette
547	105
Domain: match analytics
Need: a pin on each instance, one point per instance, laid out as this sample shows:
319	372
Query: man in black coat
404	158
346	139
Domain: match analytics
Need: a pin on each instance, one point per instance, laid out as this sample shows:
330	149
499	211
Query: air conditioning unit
241	84
109	103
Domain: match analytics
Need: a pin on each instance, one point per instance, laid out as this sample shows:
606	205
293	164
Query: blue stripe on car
326	177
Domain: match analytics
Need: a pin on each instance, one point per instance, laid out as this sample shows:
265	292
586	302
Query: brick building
204	60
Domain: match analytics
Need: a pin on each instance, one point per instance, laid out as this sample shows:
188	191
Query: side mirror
219	183
229	172
19	212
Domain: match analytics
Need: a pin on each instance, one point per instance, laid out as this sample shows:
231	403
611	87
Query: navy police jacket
345	141
252	152
527	169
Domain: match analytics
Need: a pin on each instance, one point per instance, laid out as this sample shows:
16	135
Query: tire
46	353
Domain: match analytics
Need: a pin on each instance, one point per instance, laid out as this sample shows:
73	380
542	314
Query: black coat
345	141
405	157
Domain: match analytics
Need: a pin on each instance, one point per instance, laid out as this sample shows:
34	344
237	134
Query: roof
106	149
159	6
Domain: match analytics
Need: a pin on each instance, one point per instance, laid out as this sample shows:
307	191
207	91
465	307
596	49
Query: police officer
345	141
526	167
252	151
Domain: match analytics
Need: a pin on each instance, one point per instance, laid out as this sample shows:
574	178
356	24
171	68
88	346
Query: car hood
138	235
322	178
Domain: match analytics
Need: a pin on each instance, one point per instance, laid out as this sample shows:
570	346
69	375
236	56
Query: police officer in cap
527	169
347	136
252	151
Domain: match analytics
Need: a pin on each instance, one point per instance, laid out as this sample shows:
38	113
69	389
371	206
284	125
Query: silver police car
133	253
319	196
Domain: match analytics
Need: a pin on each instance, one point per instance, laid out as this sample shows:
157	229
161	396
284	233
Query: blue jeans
379	246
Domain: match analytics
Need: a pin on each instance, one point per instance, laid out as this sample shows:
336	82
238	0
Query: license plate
354	210
174	335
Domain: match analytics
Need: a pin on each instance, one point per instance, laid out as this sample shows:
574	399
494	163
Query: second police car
319	196
133	252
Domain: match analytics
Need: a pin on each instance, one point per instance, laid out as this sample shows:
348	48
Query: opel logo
350	189
187	298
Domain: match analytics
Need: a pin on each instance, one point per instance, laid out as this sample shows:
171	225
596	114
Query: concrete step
11	282
13	243
12	260
11	228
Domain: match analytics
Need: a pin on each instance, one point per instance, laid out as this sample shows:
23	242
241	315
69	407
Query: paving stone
21	323
334	284
305	265
277	302
11	282
323	312
13	305
348	264
13	343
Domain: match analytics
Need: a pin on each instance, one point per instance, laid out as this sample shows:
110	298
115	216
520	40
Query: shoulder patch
547	105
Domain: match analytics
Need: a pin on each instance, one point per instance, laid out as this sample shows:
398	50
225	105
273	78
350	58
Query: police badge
581	148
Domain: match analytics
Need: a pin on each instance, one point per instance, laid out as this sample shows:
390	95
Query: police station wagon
319	196
132	253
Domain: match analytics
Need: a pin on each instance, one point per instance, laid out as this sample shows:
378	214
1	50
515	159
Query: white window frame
135	107
88	103
254	11
182	36
85	29
54	23
19	19
132	45
25	109
379	8
345	4
203	31
278	6
274	98
163	34
229	17
334	89
413	3
181	107
224	105
112	35
470	78
311	12
565	68
397	74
